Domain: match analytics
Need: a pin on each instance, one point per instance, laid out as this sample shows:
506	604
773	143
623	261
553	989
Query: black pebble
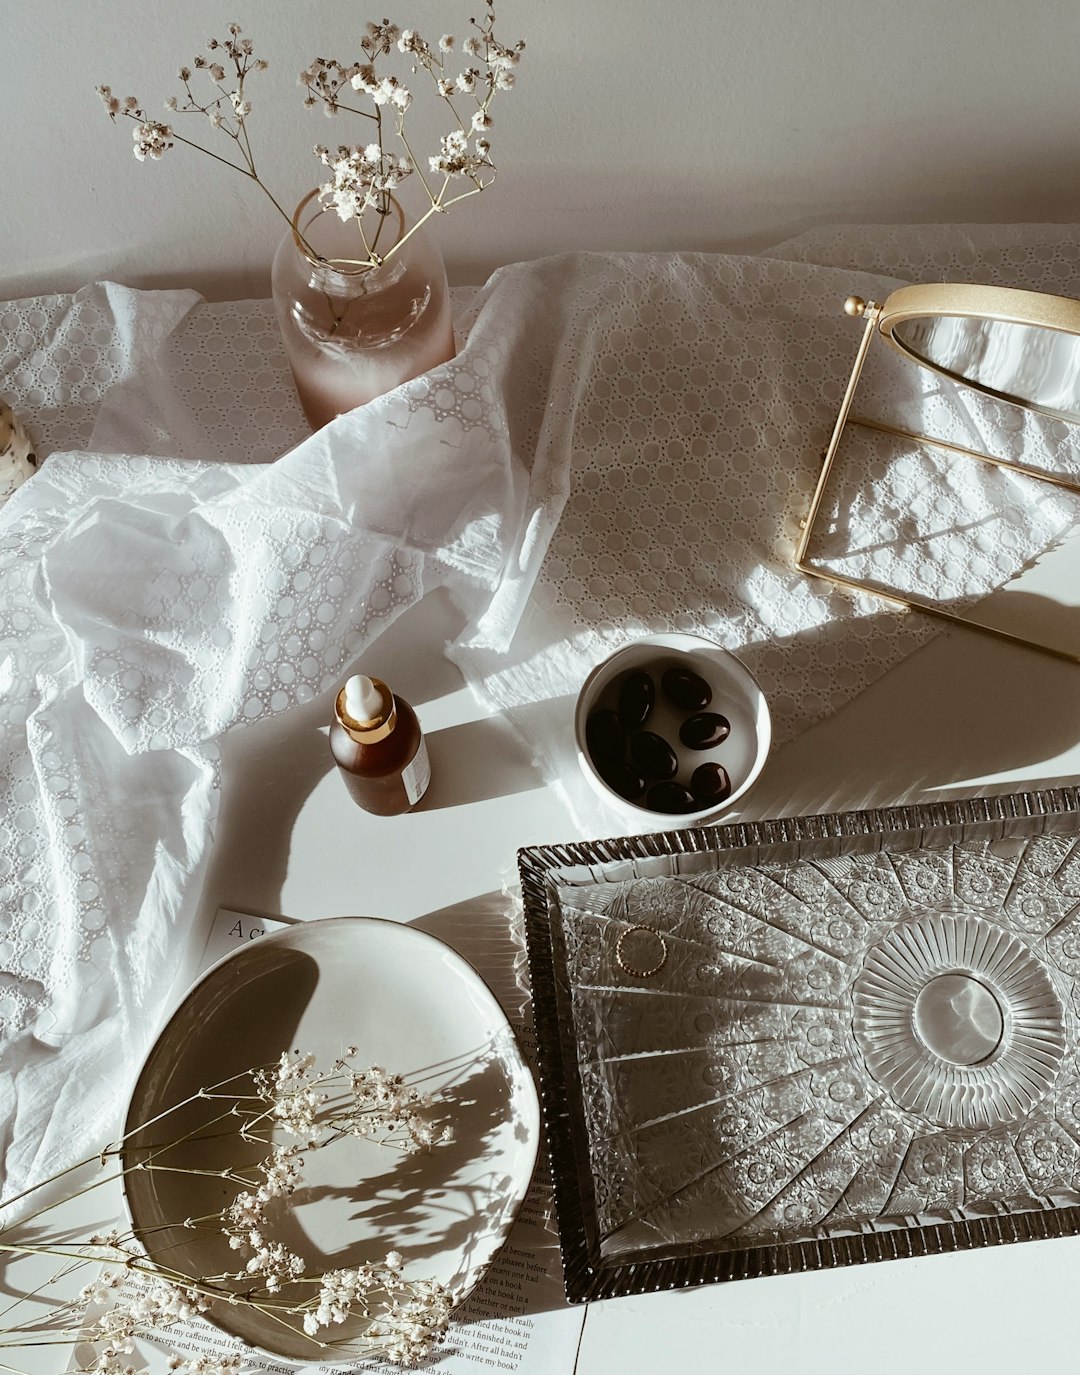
604	736
653	755
710	784
704	730
621	779
670	797
636	698
686	689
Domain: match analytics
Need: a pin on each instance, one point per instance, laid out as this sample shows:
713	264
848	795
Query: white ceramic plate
413	1006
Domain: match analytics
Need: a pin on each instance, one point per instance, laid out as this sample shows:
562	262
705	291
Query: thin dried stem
363	177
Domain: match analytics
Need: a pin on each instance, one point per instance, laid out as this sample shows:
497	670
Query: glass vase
353	331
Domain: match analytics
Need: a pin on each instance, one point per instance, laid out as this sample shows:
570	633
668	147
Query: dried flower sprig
366	175
399	1319
322	1106
226	108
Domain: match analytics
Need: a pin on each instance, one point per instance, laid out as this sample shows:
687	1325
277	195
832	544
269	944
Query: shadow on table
479	760
526	1276
960	708
474	762
280	762
1031	616
485	931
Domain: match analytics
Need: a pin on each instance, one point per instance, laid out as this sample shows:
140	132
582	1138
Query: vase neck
343	251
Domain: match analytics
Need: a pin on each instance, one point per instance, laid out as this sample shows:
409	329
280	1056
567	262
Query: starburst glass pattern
844	1037
958	1021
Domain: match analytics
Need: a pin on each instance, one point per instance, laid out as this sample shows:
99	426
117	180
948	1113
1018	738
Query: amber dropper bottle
377	744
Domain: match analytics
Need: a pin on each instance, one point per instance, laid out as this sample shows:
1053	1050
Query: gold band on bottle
379	727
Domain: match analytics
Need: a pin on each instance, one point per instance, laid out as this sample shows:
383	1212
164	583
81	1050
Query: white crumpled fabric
696	395
624	443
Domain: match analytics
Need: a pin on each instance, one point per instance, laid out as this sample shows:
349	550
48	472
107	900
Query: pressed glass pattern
864	1025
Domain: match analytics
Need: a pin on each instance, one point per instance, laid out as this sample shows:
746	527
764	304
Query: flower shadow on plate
525	1277
414	1008
452	1197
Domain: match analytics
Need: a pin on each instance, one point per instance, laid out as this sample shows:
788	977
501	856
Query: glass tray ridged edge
585	1277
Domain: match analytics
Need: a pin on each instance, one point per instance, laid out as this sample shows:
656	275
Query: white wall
710	124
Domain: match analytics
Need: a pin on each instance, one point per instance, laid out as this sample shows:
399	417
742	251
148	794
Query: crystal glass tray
812	1042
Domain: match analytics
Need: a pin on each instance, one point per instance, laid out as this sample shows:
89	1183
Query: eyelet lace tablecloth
624	443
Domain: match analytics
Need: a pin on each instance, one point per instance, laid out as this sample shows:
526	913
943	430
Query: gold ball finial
854	305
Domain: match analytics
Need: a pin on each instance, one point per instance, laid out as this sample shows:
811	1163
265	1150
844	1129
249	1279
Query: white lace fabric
703	390
629	442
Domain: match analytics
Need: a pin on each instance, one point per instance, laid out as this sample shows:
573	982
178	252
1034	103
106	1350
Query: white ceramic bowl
735	694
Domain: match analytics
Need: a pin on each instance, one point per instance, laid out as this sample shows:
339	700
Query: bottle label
416	775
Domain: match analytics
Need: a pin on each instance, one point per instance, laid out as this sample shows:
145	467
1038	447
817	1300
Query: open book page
516	1319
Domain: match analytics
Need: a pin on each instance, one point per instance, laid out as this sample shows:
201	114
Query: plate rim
525	1078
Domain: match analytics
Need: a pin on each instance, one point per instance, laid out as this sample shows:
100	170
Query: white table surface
966	714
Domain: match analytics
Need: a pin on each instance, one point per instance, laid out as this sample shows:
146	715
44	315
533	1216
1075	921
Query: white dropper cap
363	700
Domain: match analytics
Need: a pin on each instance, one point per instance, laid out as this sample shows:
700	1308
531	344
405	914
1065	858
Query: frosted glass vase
351	331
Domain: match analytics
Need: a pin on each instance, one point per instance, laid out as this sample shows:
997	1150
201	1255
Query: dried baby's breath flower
150	1301
115	106
206	1365
361	176
152	140
411	42
226	107
414	1315
135	1294
361	184
345	1101
455	160
380	38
